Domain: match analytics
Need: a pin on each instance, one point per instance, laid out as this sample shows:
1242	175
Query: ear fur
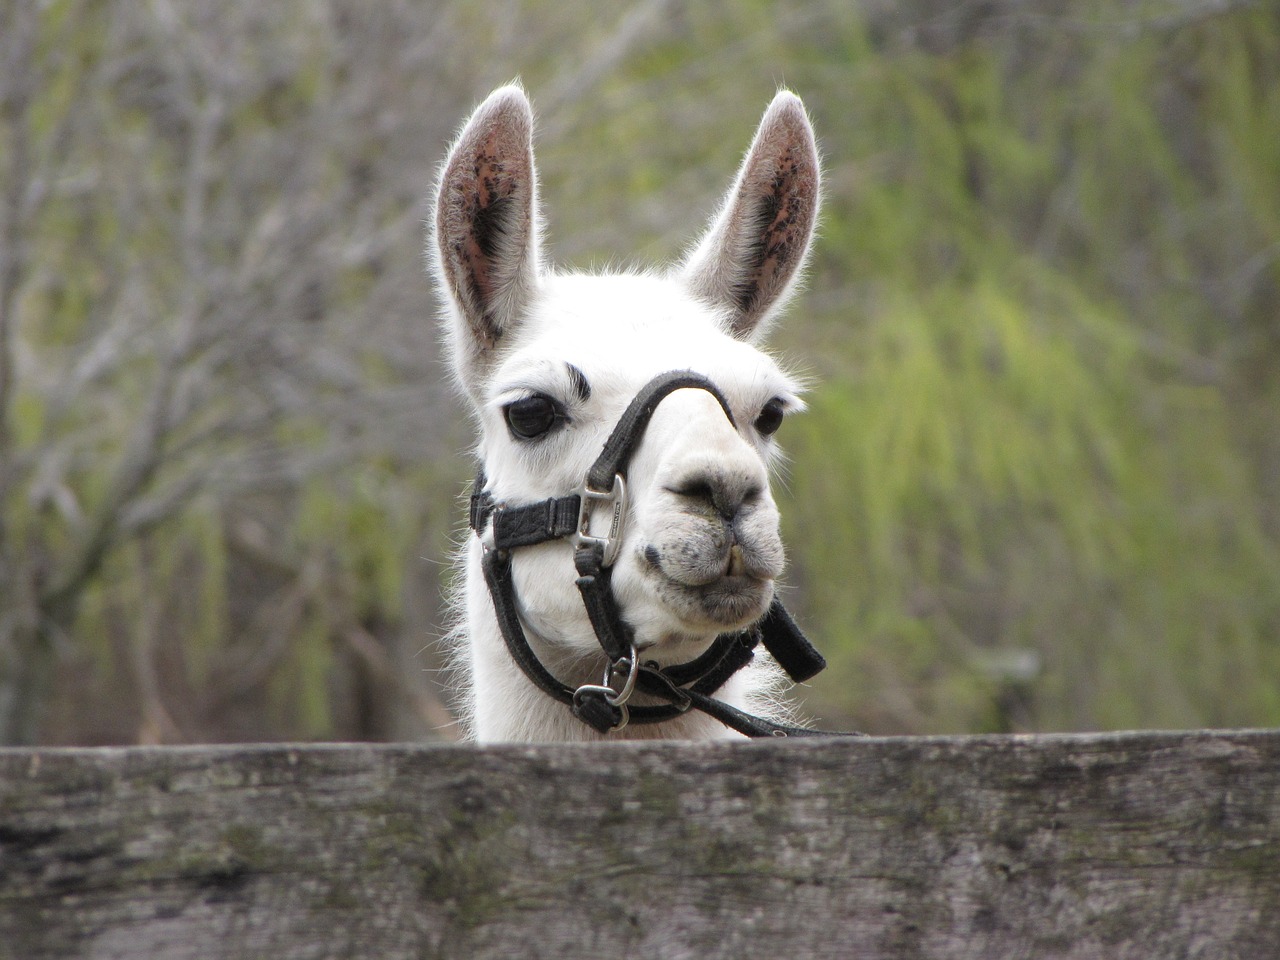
486	234
752	253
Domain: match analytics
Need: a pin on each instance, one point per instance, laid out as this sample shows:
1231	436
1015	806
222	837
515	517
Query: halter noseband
604	706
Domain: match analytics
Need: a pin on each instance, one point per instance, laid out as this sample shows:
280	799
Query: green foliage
1002	486
1026	463
1038	486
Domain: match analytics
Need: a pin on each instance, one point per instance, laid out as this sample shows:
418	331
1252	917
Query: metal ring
606	692
619	698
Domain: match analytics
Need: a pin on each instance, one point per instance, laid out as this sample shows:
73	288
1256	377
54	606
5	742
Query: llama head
550	360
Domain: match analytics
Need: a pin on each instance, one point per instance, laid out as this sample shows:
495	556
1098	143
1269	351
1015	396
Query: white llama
550	361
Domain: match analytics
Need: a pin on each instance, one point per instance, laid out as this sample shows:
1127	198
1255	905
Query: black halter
683	687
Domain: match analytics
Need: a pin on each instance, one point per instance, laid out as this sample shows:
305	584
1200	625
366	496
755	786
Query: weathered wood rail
1081	846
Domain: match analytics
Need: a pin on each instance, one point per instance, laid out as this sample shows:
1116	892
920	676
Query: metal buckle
615	697
680	698
611	544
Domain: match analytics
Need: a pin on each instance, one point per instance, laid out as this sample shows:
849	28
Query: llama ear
486	233
751	255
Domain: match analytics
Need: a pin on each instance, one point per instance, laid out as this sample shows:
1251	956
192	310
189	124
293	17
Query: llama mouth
729	603
723	595
735	600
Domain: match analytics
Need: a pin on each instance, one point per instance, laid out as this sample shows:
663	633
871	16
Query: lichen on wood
1119	845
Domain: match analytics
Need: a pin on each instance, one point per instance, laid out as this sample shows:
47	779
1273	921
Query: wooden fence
1083	846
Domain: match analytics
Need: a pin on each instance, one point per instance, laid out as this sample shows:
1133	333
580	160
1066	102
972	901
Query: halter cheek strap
683	687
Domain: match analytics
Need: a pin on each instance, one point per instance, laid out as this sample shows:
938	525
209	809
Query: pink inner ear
786	216
755	247
483	211
774	229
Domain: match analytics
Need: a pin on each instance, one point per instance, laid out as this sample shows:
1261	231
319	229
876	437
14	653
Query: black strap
497	574
791	648
481	502
720	660
755	727
675	684
628	432
684	686
533	523
522	526
779	633
595	583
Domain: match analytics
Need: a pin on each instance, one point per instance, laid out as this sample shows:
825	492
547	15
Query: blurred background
1039	484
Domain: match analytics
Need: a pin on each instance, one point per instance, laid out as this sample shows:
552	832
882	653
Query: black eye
770	418
532	417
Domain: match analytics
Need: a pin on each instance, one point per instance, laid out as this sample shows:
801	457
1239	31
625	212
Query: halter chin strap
683	687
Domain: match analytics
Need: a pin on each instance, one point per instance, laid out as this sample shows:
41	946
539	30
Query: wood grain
1081	846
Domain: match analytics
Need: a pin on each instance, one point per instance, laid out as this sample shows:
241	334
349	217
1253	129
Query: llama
549	362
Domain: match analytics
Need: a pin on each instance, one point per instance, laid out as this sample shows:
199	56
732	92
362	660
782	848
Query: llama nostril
721	494
698	488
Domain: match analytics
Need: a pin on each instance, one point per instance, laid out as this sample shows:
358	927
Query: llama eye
770	418
532	417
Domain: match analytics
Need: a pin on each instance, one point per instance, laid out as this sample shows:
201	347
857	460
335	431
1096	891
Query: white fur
513	327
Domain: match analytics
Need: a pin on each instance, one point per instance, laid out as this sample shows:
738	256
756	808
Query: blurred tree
216	365
1043	322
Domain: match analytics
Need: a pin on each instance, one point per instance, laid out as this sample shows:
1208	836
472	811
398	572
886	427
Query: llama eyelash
578	380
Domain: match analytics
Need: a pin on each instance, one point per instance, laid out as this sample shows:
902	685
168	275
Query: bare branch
16	84
425	705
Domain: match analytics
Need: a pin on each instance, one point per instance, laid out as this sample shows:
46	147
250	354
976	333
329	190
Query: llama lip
735	601
728	602
702	562
734	575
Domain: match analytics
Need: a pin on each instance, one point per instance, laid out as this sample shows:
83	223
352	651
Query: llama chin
549	361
